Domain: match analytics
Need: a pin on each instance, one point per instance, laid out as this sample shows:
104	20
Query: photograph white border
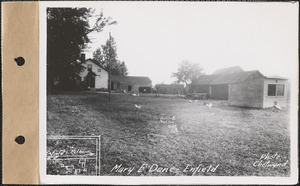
48	179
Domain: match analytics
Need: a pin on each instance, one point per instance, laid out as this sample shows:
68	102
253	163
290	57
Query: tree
98	56
123	68
108	54
187	72
67	36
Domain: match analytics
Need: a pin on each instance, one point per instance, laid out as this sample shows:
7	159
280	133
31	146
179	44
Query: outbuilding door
145	89
219	92
129	88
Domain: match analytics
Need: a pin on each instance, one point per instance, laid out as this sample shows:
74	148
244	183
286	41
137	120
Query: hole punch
20	61
20	140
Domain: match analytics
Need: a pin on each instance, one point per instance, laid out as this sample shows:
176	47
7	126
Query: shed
140	84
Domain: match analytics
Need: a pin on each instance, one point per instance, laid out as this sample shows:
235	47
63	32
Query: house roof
135	80
228	70
229	78
96	62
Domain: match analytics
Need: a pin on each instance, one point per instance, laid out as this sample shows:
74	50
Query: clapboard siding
247	94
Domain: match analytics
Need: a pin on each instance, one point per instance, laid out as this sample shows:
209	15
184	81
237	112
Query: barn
136	84
243	88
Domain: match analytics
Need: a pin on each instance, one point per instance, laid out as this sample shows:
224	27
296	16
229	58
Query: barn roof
135	80
229	78
228	70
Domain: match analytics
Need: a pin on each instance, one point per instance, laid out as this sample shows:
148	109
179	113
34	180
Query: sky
153	38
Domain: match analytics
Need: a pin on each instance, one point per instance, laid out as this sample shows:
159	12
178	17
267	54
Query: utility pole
109	51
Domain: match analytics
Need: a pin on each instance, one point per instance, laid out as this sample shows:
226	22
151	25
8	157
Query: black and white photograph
201	91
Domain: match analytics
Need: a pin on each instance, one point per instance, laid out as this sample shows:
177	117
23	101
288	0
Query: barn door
129	88
219	92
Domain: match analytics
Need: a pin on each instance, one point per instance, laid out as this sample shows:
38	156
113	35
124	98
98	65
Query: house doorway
90	80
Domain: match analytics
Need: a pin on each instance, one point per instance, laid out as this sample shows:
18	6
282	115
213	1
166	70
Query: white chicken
138	106
190	101
277	107
134	94
209	105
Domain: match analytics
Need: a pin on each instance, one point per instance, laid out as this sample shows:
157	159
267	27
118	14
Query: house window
276	90
89	67
272	90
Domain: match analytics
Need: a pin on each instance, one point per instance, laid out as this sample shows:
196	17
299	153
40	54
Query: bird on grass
190	101
134	94
196	101
209	105
138	106
277	107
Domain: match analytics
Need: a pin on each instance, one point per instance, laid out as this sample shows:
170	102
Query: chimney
82	58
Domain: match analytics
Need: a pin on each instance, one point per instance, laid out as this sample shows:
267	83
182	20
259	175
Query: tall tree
67	36
98	56
108	54
187	72
123	68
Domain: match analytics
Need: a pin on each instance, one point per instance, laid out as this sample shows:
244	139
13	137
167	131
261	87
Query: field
231	139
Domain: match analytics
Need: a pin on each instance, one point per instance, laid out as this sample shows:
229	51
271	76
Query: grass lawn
233	138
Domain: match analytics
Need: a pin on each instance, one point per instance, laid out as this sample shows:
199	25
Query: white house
98	77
